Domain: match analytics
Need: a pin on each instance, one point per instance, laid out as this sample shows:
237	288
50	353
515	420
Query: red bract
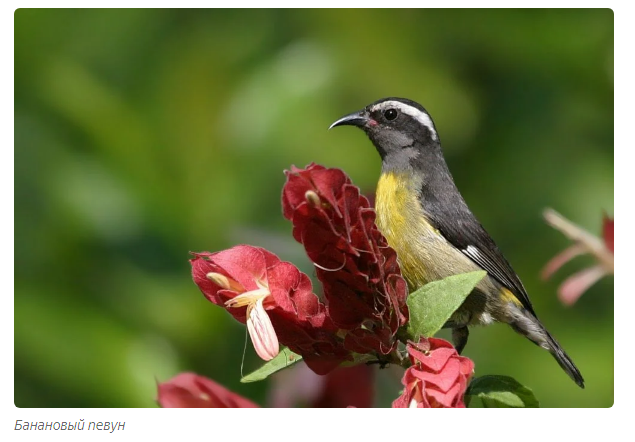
437	378
363	288
276	301
188	390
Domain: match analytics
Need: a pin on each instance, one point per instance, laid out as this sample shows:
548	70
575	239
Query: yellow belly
423	254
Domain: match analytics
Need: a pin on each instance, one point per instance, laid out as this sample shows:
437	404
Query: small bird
426	220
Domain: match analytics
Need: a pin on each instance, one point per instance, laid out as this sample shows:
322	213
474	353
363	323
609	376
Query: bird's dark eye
390	114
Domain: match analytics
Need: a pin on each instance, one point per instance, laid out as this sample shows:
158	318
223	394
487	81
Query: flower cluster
364	292
360	311
437	378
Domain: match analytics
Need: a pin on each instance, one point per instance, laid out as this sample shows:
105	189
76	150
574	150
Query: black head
399	128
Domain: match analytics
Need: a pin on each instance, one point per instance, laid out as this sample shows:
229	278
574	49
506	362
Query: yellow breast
423	253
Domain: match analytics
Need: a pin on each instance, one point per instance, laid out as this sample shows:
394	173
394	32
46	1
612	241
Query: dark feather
447	211
469	236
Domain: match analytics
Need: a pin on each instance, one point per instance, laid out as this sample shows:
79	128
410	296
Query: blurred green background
141	135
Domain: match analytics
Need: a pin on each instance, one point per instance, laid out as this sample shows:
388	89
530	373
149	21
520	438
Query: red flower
437	378
188	390
584	242
363	288
274	299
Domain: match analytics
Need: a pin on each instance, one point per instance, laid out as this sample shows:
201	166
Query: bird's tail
530	327
564	360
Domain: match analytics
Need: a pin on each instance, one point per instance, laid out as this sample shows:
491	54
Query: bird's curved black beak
358	119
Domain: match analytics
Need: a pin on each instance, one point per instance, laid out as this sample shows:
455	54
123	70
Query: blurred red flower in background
189	390
341	388
437	378
584	242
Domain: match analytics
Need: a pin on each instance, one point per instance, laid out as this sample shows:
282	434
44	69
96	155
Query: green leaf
285	359
501	392
432	305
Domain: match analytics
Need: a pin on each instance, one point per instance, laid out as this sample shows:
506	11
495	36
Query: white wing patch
472	252
415	113
477	256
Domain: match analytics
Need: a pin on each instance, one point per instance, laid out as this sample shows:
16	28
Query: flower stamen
225	282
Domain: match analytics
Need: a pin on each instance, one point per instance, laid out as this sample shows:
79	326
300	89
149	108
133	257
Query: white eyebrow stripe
415	113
